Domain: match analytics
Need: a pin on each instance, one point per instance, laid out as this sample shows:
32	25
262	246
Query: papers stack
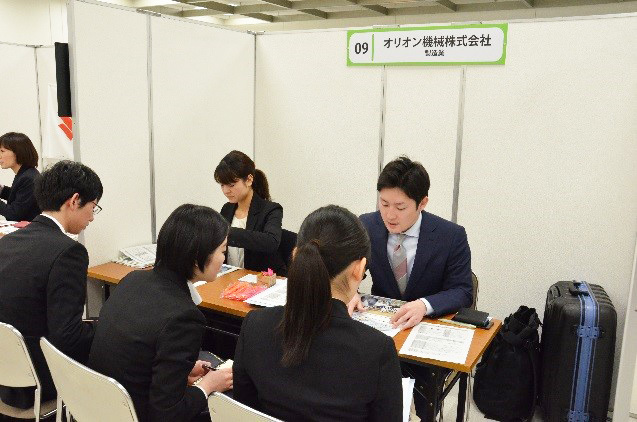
274	296
377	321
439	342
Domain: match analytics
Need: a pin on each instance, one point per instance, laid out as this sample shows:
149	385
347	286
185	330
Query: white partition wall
548	174
421	121
317	124
203	107
18	91
110	94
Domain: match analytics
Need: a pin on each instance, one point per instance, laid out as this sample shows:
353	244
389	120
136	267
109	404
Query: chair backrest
16	368
223	408
475	282
88	395
288	242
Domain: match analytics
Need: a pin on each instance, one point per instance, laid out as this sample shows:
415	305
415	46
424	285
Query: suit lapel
228	212
380	250
424	251
256	205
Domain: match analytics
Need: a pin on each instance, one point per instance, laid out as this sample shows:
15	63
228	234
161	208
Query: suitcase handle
575	291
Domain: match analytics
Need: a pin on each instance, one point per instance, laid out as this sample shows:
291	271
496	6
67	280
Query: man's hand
355	304
410	314
197	372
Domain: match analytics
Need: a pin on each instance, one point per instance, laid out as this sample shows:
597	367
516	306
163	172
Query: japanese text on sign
451	45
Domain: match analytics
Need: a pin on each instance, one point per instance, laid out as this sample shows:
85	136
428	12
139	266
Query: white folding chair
223	408
88	395
16	370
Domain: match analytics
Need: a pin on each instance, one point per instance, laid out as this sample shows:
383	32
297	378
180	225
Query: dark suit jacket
42	292
21	204
148	338
261	237
351	374
442	267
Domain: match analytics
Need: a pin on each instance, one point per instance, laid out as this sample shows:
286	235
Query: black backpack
507	379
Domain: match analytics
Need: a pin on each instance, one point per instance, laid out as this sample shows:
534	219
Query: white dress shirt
236	255
71	235
411	245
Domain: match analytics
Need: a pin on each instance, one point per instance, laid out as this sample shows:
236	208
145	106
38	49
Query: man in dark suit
43	272
416	256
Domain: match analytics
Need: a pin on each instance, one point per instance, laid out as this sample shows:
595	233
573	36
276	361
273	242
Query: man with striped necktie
416	256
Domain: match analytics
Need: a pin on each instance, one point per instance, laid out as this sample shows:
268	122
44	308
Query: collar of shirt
194	294
410	243
414	230
72	236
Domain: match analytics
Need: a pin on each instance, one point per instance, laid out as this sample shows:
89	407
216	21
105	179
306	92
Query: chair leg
36	404
59	409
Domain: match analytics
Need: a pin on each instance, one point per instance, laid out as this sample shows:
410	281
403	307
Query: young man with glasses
43	272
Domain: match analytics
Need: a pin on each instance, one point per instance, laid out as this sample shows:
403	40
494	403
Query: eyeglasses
96	209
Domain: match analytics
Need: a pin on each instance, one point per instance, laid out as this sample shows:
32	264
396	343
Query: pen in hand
209	368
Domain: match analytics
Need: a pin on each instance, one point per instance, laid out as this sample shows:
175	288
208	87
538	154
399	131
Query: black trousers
430	381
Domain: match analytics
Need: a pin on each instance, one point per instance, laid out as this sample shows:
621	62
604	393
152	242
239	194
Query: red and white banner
57	140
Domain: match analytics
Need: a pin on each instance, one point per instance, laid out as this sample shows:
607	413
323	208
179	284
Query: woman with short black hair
150	329
18	154
309	360
255	232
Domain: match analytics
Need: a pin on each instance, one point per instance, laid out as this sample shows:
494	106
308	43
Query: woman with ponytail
309	360
255	232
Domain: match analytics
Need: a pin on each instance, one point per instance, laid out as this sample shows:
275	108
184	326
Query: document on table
380	322
249	278
440	342
408	396
273	296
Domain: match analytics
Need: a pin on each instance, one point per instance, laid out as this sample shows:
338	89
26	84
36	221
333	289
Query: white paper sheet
440	342
273	296
250	278
379	322
408	396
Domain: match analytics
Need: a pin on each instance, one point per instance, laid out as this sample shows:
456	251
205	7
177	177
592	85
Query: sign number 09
361	47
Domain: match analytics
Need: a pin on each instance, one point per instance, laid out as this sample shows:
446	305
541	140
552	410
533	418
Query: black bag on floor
578	350
507	379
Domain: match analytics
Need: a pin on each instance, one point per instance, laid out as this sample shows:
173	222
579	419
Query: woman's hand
197	372
220	380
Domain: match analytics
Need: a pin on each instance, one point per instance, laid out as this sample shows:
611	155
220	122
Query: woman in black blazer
255	221
310	360
150	330
18	154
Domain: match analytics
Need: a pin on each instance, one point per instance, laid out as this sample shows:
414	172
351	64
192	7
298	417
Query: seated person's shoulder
443	223
258	319
369	217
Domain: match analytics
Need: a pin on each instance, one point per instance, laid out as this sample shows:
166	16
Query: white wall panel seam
37	93
383	111
151	144
456	177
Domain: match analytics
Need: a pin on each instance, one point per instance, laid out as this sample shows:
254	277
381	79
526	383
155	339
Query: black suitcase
578	349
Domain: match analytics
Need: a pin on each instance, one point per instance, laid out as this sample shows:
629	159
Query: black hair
188	237
64	179
22	147
330	239
409	176
237	165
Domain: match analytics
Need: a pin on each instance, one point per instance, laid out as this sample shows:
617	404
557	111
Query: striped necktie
399	264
